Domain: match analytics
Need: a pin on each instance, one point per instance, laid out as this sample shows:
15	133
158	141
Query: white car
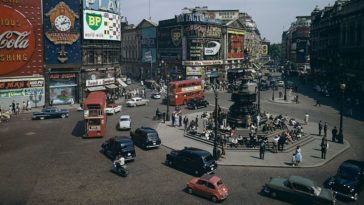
133	102
281	83
125	122
113	108
156	96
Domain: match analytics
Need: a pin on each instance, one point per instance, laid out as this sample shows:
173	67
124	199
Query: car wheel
189	190
170	163
63	116
42	118
214	199
273	194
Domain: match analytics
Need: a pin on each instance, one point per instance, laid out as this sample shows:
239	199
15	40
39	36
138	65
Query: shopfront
63	88
19	90
207	70
101	79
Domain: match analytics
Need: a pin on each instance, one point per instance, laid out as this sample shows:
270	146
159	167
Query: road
47	162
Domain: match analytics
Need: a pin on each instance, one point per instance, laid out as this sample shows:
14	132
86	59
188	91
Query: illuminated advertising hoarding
98	25
111	6
21	46
235	44
62	32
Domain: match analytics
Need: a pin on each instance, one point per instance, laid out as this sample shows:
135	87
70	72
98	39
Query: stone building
337	46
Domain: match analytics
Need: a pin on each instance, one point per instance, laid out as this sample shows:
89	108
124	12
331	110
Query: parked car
299	189
156	95
128	81
133	102
193	160
146	137
349	180
119	146
280	83
112	108
264	85
50	112
209	186
197	103
124	122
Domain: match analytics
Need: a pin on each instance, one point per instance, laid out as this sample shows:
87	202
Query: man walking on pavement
320	127
334	132
262	149
324	146
185	122
180	121
325	129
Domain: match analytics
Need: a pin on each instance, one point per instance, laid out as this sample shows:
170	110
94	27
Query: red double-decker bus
180	92
94	114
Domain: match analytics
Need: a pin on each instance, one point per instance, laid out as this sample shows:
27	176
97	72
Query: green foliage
275	51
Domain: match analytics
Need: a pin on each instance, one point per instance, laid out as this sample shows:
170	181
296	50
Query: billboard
98	25
21	45
235	45
62	32
111	6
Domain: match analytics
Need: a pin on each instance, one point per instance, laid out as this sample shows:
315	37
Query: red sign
235	46
21	84
17	40
62	75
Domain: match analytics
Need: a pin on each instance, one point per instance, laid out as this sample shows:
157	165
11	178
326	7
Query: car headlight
331	183
352	190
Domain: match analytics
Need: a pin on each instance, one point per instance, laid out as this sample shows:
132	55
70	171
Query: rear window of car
208	158
152	136
124	119
219	183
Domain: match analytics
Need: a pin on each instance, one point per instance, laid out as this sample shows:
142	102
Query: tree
275	51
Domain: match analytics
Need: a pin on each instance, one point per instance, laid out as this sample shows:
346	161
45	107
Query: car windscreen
127	146
124	119
348	172
219	183
152	136
208	158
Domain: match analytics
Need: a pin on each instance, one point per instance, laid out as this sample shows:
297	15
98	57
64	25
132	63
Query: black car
194	104
349	179
146	137
119	146
193	160
50	112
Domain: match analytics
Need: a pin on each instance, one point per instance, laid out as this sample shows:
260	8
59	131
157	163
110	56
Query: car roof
211	178
301	180
197	151
125	116
147	129
352	164
136	98
122	139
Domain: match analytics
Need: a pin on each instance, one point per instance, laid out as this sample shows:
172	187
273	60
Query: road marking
30	133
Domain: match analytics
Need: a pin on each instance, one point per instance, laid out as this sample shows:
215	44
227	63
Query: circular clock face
62	23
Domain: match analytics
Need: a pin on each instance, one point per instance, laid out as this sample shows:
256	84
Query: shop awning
96	88
111	86
121	82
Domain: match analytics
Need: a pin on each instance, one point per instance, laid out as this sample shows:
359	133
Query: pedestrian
294	159
306	118
334	134
324	146
296	99
13	107
318	103
275	144
262	149
298	155
258	120
17	109
180	121
320	127
185	122
24	107
325	129
29	106
173	120
164	117
196	121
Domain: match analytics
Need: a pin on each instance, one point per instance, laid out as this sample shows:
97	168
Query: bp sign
94	20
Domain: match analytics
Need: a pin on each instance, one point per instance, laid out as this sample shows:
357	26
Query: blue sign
62	29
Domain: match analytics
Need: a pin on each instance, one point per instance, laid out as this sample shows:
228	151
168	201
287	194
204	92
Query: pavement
173	138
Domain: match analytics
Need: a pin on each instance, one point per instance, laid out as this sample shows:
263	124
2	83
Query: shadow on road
78	130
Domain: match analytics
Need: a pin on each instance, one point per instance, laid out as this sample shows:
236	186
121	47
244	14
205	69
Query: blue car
50	112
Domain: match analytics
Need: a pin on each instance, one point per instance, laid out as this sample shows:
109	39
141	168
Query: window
90	57
201	182
302	188
211	186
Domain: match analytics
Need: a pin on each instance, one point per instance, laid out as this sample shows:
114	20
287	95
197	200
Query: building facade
337	45
21	54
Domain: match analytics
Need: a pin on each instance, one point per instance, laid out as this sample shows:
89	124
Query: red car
209	186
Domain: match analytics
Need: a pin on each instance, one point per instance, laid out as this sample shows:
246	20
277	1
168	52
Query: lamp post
215	150
259	84
341	136
273	87
285	88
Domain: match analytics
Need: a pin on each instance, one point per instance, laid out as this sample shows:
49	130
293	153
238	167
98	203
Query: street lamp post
341	135
167	114
273	87
259	87
215	150
285	88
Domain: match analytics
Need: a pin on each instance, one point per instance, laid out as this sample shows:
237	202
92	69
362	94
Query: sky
271	16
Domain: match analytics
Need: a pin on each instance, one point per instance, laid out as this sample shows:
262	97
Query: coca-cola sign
17	40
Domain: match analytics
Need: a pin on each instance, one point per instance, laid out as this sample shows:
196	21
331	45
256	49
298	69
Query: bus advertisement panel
95	115
182	91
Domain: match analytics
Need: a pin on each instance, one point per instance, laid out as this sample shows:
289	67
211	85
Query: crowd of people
14	109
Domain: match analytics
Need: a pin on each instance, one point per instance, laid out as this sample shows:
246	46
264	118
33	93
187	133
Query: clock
62	23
